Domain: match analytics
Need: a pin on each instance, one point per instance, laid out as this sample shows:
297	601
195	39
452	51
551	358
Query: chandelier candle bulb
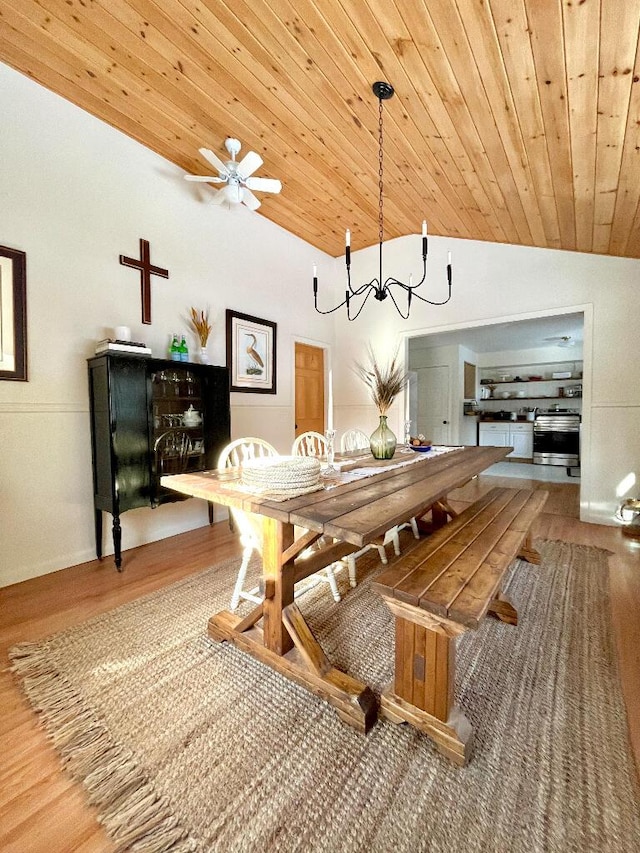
424	227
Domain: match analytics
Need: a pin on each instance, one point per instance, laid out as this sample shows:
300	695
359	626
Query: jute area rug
185	744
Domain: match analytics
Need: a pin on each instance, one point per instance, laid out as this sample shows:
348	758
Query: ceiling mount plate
383	90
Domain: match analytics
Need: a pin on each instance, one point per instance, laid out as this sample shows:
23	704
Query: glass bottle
382	441
184	350
174	351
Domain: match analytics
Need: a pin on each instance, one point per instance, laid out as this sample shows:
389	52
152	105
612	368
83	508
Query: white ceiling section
519	335
514	121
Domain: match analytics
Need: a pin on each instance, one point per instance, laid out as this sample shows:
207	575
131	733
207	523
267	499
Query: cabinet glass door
177	443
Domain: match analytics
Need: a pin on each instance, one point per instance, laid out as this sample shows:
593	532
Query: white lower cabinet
507	434
494	434
521	439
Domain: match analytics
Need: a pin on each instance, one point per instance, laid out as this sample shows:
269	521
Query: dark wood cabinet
151	417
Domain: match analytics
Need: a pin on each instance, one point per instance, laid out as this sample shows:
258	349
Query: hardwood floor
43	811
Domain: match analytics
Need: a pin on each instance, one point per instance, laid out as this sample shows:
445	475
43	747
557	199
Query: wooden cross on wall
146	271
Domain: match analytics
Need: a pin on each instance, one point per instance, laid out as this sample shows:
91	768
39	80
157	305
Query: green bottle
184	351
174	349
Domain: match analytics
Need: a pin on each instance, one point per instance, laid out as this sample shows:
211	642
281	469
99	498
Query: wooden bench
442	588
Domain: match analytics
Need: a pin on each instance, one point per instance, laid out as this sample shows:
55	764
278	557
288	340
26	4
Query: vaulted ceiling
515	121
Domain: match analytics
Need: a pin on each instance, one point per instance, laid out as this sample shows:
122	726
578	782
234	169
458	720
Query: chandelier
379	289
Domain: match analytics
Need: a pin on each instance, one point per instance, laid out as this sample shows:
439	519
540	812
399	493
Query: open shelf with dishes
548	381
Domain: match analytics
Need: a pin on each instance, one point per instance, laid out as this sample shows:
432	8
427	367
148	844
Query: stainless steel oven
556	438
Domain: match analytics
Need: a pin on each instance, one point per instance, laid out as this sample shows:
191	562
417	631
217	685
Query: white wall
500	283
74	195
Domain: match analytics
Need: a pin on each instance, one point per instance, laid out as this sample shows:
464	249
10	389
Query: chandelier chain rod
380	177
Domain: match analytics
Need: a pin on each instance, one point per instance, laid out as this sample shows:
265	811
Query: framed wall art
251	353
13	314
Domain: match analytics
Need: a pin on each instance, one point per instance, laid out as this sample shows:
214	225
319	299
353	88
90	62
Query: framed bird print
251	353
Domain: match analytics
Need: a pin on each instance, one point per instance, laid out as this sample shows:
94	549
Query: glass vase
203	356
383	441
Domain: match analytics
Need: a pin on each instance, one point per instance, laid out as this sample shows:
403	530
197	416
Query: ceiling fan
562	341
236	176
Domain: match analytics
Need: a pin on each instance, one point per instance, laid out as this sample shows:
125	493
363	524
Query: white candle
407	408
347	238
424	227
330	402
315	271
449	257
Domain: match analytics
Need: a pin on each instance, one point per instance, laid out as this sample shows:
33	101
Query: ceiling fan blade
213	158
264	185
249	164
209	179
250	200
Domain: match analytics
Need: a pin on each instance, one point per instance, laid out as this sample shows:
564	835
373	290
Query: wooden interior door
309	409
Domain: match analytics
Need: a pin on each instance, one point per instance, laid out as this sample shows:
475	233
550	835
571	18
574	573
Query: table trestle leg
286	642
423	689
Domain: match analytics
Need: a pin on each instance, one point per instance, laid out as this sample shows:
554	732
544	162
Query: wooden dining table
346	516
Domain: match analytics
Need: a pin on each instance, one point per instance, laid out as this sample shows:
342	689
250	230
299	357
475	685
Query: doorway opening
507	346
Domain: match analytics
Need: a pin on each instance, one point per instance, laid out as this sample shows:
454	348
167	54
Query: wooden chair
354	439
310	444
235	455
242	450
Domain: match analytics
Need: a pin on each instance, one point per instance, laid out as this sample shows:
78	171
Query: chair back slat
239	452
310	444
354	439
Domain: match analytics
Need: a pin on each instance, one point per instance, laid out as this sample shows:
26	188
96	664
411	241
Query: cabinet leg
117	542
97	517
210	508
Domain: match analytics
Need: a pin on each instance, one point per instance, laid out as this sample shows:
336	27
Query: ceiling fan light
233	193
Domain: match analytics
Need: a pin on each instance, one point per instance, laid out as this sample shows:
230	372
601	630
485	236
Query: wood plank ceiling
515	121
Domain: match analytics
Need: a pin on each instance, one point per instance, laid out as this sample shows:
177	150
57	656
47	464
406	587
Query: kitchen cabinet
521	439
494	434
150	417
508	434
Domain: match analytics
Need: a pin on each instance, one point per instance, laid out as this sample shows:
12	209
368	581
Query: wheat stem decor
199	322
384	382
